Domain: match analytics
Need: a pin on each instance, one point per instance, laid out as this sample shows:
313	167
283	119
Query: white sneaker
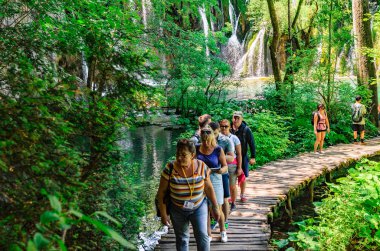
223	236
210	239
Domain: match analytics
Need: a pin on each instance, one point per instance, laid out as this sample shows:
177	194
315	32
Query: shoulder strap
171	167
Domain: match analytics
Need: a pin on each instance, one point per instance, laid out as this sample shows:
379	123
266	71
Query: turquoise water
151	147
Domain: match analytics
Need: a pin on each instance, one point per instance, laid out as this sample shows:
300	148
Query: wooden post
329	177
288	206
311	190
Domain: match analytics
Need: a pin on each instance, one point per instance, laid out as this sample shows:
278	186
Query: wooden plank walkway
271	187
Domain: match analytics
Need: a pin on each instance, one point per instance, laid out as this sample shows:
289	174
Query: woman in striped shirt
189	183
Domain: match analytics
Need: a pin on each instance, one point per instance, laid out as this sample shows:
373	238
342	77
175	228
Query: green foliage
194	79
349	217
59	128
271	136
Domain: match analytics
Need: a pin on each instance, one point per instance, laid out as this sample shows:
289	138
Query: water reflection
151	147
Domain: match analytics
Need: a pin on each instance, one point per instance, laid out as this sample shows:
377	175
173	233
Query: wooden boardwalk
271	187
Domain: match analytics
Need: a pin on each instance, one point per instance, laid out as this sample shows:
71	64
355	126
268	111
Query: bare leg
317	141
233	193
221	219
226	207
242	187
362	135
323	134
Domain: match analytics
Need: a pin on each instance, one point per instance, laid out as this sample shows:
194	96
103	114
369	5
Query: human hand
328	130
165	220
239	171
215	212
315	131
252	161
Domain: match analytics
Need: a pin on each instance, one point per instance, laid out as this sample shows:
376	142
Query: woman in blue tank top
212	154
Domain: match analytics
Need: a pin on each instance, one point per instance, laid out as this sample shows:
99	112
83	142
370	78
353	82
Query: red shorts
241	178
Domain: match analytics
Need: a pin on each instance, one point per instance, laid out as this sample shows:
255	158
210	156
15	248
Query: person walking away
213	155
358	121
321	125
189	183
234	167
226	144
245	135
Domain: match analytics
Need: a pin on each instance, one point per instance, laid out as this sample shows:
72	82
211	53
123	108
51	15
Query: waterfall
261	60
146	8
319	54
339	69
84	69
233	50
351	58
162	55
254	63
202	12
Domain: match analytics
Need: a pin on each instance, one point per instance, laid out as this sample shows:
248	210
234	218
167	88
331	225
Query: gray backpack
357	115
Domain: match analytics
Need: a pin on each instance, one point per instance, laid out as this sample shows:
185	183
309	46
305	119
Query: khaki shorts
232	173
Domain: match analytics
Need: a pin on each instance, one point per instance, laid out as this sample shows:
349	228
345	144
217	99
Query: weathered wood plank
269	187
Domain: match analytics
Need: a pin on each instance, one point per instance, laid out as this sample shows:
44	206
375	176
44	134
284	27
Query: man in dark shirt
242	131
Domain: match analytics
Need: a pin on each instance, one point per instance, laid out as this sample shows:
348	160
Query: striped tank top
179	186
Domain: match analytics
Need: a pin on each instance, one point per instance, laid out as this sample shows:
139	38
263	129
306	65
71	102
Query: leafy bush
348	219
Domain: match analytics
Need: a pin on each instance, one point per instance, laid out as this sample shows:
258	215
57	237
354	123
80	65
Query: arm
239	158
315	122
230	156
162	190
223	162
252	146
327	122
209	191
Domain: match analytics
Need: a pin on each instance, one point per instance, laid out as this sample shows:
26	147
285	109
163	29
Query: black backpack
312	117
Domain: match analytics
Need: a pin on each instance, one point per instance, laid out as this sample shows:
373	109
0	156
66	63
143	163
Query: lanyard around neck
187	181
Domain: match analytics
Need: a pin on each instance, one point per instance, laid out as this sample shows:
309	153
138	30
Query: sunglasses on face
236	117
224	126
206	132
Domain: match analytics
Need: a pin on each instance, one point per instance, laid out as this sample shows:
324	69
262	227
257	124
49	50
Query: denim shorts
217	183
226	185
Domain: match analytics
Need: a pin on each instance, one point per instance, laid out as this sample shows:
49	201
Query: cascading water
233	50
146	6
344	62
254	63
84	68
202	12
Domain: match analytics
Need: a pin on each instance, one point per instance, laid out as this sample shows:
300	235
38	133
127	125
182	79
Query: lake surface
151	147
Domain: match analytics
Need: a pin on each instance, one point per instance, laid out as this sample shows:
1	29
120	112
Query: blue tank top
211	160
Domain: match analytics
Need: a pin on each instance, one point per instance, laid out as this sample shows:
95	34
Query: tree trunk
274	45
329	58
363	39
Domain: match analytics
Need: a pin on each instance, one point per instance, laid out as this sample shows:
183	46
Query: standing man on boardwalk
242	131
358	121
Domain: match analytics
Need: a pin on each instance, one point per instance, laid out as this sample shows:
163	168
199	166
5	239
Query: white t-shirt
235	140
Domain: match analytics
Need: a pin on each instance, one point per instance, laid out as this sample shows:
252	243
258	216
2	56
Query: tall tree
363	40
274	44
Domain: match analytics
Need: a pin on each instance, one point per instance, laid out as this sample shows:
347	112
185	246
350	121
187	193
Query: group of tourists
321	124
202	179
200	185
